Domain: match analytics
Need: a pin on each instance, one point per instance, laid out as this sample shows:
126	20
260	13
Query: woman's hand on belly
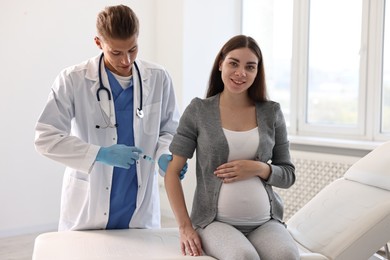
242	170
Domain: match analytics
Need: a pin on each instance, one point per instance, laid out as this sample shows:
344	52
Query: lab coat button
105	213
106	188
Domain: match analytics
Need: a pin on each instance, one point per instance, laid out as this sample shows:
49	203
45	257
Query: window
333	62
327	62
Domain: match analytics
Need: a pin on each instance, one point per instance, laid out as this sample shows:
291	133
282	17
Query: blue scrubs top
124	181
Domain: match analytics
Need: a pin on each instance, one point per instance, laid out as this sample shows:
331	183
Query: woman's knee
225	242
281	253
246	254
273	241
235	254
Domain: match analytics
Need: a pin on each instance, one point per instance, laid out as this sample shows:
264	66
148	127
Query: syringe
147	157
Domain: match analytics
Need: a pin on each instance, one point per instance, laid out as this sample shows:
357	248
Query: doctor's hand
163	164
119	155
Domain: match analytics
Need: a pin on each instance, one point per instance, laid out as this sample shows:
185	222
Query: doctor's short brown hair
117	22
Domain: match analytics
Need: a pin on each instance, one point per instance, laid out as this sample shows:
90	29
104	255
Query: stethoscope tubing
139	111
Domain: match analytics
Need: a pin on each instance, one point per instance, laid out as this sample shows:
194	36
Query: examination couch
347	220
124	244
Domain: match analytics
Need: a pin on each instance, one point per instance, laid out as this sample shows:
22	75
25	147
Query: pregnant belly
243	202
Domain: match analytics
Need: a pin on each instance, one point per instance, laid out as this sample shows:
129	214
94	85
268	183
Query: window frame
368	127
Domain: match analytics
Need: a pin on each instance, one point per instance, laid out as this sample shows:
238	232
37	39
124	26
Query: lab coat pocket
151	121
75	199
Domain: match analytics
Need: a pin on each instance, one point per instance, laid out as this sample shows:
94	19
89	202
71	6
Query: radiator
313	172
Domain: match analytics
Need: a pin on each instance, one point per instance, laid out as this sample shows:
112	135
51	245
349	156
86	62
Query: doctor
101	118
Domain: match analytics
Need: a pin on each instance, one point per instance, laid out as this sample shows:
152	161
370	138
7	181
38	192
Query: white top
243	202
123	81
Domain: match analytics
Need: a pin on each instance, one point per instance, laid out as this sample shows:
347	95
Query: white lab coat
66	132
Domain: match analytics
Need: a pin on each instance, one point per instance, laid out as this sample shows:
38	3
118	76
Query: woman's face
239	70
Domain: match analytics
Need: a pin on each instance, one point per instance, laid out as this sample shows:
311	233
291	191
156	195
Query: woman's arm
189	240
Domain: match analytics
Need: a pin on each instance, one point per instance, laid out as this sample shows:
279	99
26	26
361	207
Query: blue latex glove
163	164
119	155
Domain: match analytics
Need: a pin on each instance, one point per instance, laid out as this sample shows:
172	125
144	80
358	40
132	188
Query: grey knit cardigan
200	129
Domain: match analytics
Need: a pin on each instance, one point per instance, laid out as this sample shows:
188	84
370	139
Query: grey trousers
270	241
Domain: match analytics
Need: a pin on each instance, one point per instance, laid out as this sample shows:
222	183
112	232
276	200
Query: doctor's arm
52	131
190	242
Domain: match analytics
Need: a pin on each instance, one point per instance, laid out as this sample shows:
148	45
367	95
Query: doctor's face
119	55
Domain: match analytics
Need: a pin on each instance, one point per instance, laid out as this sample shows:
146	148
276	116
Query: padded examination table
124	244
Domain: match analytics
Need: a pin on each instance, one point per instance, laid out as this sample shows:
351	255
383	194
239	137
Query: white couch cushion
373	169
125	244
339	215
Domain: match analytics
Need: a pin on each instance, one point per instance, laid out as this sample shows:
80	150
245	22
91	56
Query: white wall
205	26
41	37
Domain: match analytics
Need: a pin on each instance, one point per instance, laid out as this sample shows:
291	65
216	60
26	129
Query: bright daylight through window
333	65
325	64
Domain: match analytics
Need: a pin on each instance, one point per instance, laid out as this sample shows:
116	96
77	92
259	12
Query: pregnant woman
242	151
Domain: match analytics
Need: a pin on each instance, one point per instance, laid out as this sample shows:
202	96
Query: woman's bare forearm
175	191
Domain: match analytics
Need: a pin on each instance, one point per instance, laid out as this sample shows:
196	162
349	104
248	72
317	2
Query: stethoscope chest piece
140	113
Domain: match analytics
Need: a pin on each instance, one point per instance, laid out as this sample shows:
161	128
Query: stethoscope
139	112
